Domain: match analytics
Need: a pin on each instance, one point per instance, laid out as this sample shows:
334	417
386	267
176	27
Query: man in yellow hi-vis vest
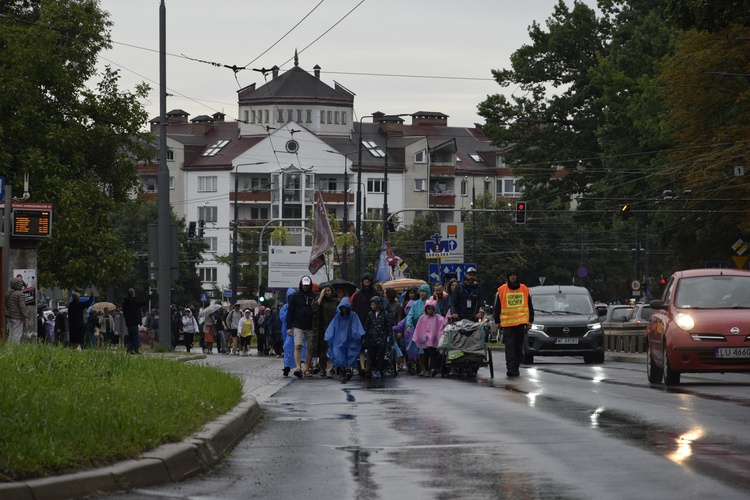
513	313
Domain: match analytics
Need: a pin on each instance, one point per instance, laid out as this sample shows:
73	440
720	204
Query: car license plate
733	352
565	340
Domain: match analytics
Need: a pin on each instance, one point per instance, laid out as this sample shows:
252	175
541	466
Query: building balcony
248	223
443	200
442	170
261	196
336	197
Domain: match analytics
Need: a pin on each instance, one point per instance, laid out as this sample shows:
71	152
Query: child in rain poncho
343	336
426	338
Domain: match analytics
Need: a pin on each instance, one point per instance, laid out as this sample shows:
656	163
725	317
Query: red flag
322	237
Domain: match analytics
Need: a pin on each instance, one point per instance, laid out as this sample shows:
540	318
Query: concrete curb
167	463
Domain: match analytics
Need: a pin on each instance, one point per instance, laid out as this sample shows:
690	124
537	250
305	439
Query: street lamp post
234	276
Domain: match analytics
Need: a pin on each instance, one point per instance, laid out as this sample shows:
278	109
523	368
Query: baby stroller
464	348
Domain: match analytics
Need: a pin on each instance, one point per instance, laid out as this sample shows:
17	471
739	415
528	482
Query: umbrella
339	284
209	310
248	304
403	284
101	306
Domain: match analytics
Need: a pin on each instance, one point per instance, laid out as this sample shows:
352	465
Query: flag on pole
322	237
382	273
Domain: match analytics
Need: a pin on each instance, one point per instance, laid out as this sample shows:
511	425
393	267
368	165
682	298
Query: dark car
700	324
566	323
641	313
618	313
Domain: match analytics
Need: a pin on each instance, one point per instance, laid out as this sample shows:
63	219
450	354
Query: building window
322	116
149	184
207	213
476	158
212	242
280	118
330	116
309	116
420	157
213	150
508	187
207	184
499	161
171	182
259	213
328	184
375	185
252	183
289	115
343	118
464	188
419	185
373	149
336	118
299	116
374	213
246	115
170	155
266	120
207	274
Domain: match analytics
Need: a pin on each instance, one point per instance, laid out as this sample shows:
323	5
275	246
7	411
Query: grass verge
64	410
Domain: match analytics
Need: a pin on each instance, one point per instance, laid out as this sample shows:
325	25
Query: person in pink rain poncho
426	338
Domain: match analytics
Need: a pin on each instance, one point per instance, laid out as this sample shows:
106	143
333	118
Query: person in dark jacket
276	337
467	301
299	322
377	333
442	300
361	298
131	311
76	324
324	310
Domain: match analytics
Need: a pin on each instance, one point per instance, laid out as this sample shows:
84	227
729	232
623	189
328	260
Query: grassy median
63	410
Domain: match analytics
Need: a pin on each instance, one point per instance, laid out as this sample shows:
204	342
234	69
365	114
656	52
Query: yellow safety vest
514	305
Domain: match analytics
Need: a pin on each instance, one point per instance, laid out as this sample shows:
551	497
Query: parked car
618	313
641	313
700	324
566	323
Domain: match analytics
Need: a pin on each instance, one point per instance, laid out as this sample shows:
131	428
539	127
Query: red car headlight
684	321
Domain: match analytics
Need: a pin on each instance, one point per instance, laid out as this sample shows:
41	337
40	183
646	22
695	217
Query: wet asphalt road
562	430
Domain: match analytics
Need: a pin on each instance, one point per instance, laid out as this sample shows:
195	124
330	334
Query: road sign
437	271
635	285
204	297
227	293
2	188
582	272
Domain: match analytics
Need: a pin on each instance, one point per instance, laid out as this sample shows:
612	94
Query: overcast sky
396	56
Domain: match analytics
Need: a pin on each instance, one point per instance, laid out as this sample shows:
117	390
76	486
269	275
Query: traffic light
191	230
521	207
391	224
662	280
625	211
262	294
201	225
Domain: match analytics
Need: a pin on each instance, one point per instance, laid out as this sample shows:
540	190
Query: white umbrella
209	310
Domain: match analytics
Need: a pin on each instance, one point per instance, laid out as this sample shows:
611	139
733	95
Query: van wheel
599	357
653	372
588	358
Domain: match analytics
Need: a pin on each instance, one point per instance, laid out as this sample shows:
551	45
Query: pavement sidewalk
262	378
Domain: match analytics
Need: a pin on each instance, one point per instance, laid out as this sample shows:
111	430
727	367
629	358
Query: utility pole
164	283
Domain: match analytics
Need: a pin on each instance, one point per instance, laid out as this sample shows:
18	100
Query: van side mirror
658	304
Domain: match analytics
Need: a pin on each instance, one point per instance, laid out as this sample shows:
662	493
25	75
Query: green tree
78	146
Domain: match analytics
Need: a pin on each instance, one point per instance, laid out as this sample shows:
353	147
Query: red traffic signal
662	280
521	207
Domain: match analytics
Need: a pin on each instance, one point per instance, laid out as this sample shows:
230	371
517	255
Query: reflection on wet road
562	430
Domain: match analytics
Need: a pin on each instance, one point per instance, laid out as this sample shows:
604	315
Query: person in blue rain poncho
289	362
344	335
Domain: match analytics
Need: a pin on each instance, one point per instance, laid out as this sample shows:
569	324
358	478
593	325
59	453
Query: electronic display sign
32	222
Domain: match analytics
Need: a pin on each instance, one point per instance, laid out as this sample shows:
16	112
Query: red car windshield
713	292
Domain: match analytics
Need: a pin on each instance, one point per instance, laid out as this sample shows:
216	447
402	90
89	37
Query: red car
701	324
